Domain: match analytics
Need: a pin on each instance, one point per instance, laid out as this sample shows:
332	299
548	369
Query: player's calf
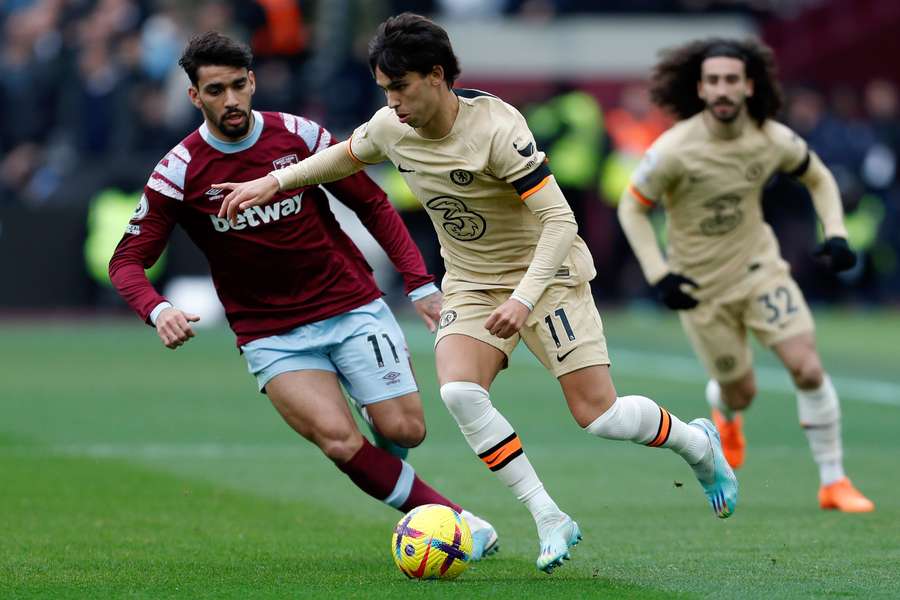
495	442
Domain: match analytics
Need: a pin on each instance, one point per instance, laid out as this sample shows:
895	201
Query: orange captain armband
533	182
640	197
353	156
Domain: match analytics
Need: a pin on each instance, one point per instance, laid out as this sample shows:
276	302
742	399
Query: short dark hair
410	42
673	85
213	48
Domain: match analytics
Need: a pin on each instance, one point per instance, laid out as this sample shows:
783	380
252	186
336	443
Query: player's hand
507	319
429	308
244	195
174	327
669	291
836	254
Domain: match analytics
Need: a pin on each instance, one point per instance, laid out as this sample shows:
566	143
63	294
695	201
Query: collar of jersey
232	147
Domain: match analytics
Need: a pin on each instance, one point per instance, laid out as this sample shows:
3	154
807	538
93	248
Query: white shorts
364	347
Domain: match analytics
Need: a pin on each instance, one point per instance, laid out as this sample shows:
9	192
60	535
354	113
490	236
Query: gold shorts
564	331
773	309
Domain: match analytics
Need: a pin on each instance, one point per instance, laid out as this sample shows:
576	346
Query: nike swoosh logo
402	170
526	151
562	357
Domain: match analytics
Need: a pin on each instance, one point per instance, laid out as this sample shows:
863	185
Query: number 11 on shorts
373	339
561	315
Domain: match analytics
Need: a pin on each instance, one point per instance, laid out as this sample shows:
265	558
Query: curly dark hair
411	43
213	48
673	85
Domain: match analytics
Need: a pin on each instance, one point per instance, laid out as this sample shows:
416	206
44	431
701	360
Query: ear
251	77
700	89
437	75
750	87
194	95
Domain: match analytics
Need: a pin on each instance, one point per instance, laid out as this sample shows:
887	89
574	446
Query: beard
231	131
726	117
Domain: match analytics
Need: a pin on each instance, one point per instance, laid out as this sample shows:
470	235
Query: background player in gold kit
515	267
724	271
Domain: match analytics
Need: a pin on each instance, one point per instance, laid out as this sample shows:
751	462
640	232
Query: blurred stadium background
126	469
92	98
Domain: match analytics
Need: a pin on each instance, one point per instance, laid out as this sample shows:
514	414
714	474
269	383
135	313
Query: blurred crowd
92	97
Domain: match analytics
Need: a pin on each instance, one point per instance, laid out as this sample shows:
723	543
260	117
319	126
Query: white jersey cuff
423	291
523	301
159	308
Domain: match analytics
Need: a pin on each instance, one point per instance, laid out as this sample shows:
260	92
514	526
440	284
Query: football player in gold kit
516	268
723	271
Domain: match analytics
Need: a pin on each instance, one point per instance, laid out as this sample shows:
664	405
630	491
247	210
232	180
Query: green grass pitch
131	471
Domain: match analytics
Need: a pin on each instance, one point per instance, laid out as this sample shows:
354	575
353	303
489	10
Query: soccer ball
432	542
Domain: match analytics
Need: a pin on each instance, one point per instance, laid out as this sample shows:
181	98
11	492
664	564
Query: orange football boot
732	434
842	496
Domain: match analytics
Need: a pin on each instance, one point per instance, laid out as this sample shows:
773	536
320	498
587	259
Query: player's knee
408	433
586	406
739	395
339	445
807	372
467	402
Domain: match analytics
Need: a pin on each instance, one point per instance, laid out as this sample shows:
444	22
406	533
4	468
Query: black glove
836	254
668	290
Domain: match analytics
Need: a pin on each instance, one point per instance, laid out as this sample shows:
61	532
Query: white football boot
484	536
556	543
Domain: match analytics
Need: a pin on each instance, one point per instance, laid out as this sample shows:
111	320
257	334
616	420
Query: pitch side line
673	367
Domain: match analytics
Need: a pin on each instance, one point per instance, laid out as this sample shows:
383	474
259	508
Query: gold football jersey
711	190
473	183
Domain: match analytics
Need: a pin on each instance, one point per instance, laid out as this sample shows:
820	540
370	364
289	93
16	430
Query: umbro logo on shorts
392	377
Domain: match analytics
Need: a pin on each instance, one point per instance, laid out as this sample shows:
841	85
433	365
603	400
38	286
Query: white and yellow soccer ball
432	542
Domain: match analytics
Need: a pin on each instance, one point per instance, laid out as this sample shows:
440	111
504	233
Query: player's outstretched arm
331	164
669	287
550	206
826	199
633	216
174	326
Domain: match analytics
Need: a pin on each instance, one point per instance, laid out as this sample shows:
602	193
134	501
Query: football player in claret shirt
297	292
516	268
724	272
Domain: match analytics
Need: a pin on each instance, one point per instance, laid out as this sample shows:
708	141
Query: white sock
495	442
714	399
820	417
641	420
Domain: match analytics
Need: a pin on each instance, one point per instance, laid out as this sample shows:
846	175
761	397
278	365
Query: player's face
414	97
724	87
223	94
